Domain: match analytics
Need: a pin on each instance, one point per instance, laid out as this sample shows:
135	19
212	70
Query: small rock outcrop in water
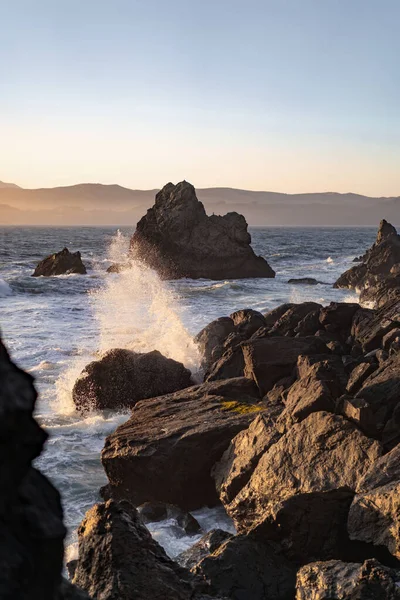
178	239
123	377
62	263
31	526
153	512
377	274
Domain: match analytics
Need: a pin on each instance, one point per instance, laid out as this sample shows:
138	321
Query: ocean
54	326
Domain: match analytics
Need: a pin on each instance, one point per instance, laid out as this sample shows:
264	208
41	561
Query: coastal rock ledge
178	239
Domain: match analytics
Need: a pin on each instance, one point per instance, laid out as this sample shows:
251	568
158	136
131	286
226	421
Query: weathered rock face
122	377
374	516
166	450
322	453
379	263
62	263
370	327
269	359
245	569
208	544
210	340
178	239
289	320
31	527
336	580
119	560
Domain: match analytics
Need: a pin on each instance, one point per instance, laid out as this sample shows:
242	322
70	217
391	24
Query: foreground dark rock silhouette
178	239
122	377
377	274
61	263
31	520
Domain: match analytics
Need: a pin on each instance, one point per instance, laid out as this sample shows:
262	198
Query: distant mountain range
97	204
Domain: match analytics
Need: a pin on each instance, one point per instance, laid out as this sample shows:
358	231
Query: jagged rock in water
167	448
119	560
379	262
336	580
61	263
178	239
208	544
244	568
118	267
322	453
123	377
374	516
31	526
153	512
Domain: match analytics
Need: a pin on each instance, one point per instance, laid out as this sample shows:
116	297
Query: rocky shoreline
295	431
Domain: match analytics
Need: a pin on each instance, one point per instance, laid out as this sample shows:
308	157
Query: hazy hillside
96	204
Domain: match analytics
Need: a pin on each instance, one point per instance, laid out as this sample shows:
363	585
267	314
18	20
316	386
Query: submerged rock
336	580
153	512
304	281
119	560
166	450
62	263
178	239
123	377
208	544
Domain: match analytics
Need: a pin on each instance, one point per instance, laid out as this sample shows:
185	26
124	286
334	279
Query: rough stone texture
153	512
375	513
267	360
377	262
338	317
317	390
122	377
336	580
309	325
62	263
208	544
243	568
31	527
358	375
272	316
288	322
382	390
359	412
211	338
166	450
322	453
238	462
119	560
231	364
381	291
178	239
370	327
391	431
311	526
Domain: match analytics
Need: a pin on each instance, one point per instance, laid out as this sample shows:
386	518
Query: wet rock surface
178	239
61	263
122	377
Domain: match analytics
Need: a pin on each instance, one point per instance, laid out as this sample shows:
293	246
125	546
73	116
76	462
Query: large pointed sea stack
178	239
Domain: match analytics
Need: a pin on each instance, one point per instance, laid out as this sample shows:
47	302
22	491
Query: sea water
54	326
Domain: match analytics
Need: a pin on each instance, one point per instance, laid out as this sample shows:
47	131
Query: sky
281	95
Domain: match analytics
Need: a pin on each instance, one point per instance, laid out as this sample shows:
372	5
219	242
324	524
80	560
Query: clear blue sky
284	95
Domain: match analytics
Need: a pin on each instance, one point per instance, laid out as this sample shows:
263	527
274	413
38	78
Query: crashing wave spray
137	310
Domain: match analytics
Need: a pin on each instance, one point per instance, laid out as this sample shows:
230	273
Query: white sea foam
5	289
329	260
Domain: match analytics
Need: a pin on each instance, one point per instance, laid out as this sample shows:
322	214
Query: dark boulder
118	267
61	263
243	568
267	360
338	317
309	325
275	314
119	560
381	291
153	512
178	239
238	462
231	364
247	322
208	544
211	338
290	319
370	327
322	453
123	377
336	580
374	516
166	450
359	374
